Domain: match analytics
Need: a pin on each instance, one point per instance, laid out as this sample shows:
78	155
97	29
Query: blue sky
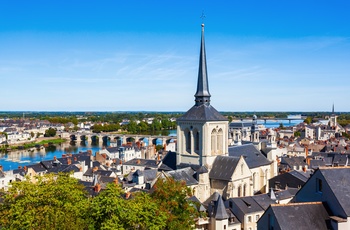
143	55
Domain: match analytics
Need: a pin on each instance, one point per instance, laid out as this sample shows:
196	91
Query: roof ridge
294	204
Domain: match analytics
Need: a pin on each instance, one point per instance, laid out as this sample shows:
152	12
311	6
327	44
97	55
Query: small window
257	217
249	219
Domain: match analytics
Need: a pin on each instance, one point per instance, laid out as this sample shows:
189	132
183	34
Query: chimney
55	158
304	169
75	159
116	181
89	152
127	195
25	168
19	167
69	161
80	169
95	169
1	168
97	188
64	155
138	161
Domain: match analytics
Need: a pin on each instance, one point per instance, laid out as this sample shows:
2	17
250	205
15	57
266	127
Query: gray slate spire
202	110
202	95
220	210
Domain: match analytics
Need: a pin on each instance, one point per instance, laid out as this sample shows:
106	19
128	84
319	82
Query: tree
159	147
308	120
50	132
32	134
297	134
281	126
109	210
172	198
54	201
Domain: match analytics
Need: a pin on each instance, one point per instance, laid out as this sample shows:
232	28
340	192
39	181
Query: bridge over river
120	138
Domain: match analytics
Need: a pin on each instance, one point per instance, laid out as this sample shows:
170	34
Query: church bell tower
202	132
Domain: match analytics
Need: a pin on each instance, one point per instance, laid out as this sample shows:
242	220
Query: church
203	149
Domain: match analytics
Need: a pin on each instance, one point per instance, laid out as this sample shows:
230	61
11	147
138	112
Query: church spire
333	108
202	95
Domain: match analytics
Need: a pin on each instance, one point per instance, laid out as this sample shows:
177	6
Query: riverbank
34	144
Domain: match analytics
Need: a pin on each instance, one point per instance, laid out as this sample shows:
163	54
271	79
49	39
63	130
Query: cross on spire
202	17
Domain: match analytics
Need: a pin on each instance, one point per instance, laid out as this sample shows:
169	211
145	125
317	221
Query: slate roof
293	161
106	173
164	167
213	197
245	204
198	168
170	160
340	159
301	216
253	157
223	168
112	149
138	173
63	168
339	182
37	168
202	113
220	210
314	164
142	162
292	179
264	200
20	171
149	175
185	174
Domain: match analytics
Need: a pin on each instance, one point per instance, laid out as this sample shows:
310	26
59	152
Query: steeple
333	109
202	95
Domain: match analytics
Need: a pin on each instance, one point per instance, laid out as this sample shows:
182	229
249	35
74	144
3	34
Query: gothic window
244	190
188	140
242	166
196	141
219	141
213	141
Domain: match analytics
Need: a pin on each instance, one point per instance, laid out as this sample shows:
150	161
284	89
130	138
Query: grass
44	142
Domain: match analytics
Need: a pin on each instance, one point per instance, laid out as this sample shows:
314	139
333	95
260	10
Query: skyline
143	56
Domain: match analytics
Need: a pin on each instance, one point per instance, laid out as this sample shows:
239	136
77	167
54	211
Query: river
14	159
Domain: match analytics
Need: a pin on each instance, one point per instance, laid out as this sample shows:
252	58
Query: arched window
188	140
213	141
242	167
255	181
239	190
244	190
219	141
196	141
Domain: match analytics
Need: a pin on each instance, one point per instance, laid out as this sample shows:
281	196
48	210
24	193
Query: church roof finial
202	95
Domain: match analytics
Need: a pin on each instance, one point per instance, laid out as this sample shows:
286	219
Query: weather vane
202	17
